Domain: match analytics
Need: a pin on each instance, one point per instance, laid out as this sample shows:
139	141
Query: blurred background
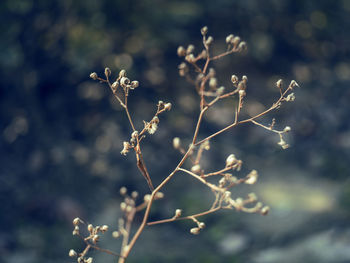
61	133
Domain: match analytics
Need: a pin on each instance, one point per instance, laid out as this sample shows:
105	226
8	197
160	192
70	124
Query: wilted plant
196	70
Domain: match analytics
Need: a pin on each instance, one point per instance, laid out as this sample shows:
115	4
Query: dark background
61	133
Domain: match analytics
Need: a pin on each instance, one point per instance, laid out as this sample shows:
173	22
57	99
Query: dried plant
196	70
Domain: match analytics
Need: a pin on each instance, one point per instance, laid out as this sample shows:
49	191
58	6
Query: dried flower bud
152	128
128	208
122	73
222	182
227	195
209	41
134	194
242	46
235	41
134	84
287	129
196	168
213	82
229	38
93	75
231	160
195	230
252	177
245	78
126	147
123	190
123	206
181	51
134	135
89	260
176	142
90	228
76	221
72	253
283	144
76	231
265	210
190	58
234	79
252	197
95	238
147	198
220	91
124	81
107	72
279	83
201	225
204	30
104	228
167	106
242	93
293	83
190	49
178	213
159	195
115	234
290	97
115	85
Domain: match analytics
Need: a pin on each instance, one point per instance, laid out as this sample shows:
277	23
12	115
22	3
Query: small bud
279	83
107	72
128	208
234	79
89	260
76	231
134	194
115	85
90	228
252	177
245	78
124	81
190	49
126	147
231	160
134	84
204	30
209	41
229	38
201	225
265	210
159	195
196	168
176	143
167	106
220	91
115	234
293	84
93	75
287	129
213	82
283	144
227	195
235	41
190	58
252	197
178	213
147	198
123	206
72	253
104	228
242	46
242	93
134	135
181	51
222	182
290	97
95	238
123	190
195	230
122	73
76	221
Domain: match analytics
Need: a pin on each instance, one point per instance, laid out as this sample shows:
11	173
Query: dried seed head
167	106
76	231
159	195
123	206
107	72
283	144
122	73
293	84
147	198
190	49
204	30
290	97
265	210
206	145
234	79
176	143
220	91
95	238
227	195
235	41
129	208
115	234
196	168
231	160
209	41
76	221
242	93
124	81
252	197
252	177
287	129
115	85
181	51
134	135
89	260
245	78
279	83
72	253
134	84
213	82
104	228
178	213
152	128
222	182
123	190
229	38
201	225
242	46
195	230
190	58
126	147
93	75
90	228
134	194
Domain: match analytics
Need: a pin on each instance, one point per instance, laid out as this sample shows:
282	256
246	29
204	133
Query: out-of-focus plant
196	69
